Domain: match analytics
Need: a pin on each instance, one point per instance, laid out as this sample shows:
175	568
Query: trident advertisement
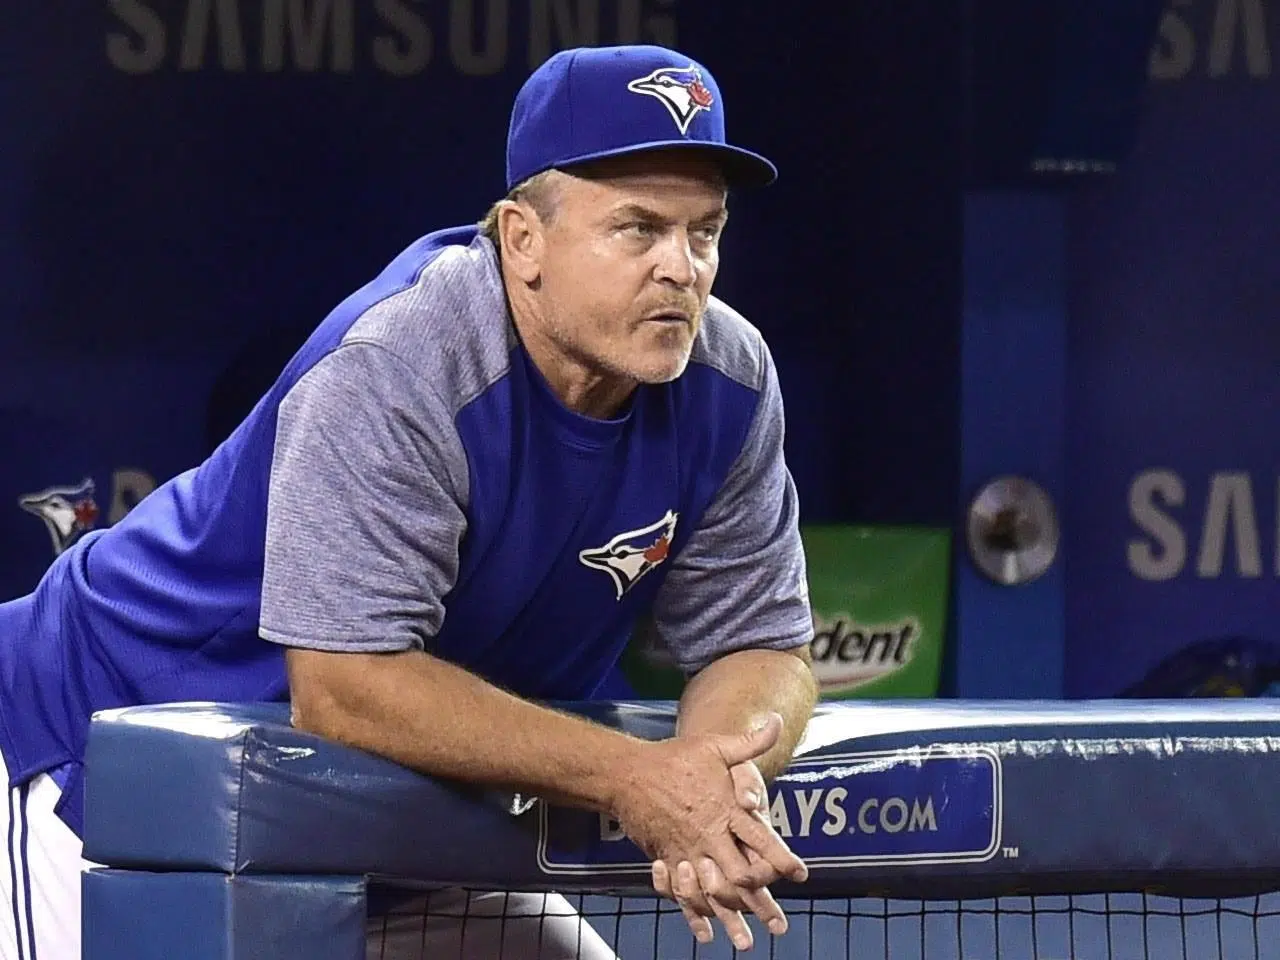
1172	535
879	597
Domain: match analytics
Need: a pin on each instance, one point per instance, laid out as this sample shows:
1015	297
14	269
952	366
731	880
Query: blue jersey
411	481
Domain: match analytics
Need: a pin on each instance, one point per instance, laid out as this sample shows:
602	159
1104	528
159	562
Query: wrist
618	759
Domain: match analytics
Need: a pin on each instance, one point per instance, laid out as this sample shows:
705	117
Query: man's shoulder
732	345
442	313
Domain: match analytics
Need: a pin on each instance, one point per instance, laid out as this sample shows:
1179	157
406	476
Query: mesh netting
1080	927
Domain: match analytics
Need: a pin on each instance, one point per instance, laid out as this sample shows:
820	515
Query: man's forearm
439	719
730	694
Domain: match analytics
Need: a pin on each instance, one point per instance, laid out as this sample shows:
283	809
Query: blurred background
1031	242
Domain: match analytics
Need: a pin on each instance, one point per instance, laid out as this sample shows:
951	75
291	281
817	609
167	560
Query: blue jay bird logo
67	512
629	556
680	90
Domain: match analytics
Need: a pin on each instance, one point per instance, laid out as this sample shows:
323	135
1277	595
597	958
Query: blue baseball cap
589	103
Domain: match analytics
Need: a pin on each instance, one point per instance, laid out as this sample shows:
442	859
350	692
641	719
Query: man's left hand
704	883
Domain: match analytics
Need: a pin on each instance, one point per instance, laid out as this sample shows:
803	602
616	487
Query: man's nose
677	263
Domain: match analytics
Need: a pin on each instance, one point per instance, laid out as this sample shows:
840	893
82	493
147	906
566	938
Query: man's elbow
777	665
349	696
316	701
803	653
800	660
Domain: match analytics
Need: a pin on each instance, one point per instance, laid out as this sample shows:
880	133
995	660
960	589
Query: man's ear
523	239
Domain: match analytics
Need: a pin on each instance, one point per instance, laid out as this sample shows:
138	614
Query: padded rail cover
134	915
945	799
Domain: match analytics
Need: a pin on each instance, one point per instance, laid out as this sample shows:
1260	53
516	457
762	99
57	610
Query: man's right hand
681	805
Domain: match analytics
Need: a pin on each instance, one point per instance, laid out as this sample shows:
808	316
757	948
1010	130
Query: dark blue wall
177	214
1174	393
177	209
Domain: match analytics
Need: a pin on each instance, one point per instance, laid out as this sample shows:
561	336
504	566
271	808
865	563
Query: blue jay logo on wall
68	512
72	510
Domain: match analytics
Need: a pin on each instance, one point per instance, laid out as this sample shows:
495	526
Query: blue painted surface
1009	640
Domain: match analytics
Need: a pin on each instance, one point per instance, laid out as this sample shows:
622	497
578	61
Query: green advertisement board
879	597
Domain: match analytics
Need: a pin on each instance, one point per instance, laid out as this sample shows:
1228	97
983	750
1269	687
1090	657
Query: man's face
629	258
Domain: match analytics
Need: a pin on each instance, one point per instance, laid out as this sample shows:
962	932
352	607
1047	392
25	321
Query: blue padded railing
225	833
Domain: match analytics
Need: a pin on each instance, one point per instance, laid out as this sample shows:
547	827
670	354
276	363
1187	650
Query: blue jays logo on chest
630	555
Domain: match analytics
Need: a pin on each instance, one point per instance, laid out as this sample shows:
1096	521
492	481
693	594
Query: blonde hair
539	191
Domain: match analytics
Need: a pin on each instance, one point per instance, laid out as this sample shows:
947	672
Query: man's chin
664	370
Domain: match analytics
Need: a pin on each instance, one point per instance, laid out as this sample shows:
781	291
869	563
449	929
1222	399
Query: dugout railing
934	829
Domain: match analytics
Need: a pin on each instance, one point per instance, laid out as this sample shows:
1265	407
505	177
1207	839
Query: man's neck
580	387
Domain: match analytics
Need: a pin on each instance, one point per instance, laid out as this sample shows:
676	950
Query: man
482	473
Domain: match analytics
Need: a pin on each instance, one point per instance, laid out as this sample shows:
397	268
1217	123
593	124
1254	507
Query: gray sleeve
740	582
364	515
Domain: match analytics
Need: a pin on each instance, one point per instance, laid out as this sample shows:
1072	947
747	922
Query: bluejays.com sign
925	806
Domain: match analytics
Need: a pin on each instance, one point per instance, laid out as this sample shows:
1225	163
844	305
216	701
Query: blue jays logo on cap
589	103
679	89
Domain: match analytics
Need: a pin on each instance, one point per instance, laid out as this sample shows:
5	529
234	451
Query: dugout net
1122	926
